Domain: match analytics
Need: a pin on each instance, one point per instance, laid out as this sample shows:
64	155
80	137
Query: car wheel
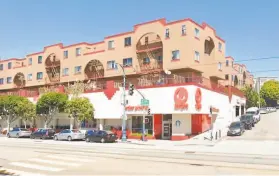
8	135
69	138
87	140
103	140
31	137
253	125
55	138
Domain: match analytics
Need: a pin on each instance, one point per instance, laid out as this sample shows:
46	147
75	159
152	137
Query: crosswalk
48	164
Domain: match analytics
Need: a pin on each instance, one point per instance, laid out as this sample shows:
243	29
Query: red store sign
136	108
180	99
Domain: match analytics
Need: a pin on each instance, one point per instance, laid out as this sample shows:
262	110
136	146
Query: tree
252	97
11	108
270	92
80	108
50	104
27	111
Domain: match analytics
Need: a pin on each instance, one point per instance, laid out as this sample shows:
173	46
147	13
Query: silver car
19	132
69	135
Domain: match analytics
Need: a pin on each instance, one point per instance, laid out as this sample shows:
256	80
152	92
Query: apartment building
164	60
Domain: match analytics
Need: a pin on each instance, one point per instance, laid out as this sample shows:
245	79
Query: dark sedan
248	121
43	133
236	129
101	136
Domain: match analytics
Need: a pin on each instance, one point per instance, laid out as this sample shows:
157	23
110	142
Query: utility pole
124	139
259	91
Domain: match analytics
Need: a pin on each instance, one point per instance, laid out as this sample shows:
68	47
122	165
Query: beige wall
185	127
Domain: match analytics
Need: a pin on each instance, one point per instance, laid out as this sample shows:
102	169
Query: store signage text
136	108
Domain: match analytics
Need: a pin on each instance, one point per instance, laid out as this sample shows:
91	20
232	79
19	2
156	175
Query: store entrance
167	127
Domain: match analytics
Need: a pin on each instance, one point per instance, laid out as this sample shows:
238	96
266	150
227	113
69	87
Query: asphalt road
37	157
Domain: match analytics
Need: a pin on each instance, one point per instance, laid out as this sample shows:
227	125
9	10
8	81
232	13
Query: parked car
248	121
236	128
19	132
263	111
43	133
101	136
69	135
255	112
85	131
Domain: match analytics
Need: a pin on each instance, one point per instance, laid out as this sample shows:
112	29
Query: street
256	152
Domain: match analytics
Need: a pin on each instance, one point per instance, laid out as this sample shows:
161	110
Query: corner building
180	67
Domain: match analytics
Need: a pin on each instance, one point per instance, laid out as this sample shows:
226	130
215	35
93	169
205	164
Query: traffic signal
131	89
148	111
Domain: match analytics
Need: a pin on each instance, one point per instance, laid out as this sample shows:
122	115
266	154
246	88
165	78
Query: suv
255	112
248	121
43	133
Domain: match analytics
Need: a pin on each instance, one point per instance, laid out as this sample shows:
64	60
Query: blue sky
250	27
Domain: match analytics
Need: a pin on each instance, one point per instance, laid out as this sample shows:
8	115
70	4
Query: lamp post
124	139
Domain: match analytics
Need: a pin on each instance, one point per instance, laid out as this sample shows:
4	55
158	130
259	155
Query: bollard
216	136
220	133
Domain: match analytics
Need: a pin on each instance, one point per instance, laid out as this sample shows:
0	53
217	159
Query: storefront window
137	124
167	117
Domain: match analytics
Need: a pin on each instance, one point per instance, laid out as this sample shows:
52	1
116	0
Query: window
40	59
175	55
78	51
146	40
1	67
9	80
1	81
9	65
160	59
232	77
227	77
39	75
220	66
30	61
111	44
65	54
146	60
65	72
111	65
137	124
127	62
29	77
167	33
227	63
77	69
220	46
183	29
197	56
127	41
197	33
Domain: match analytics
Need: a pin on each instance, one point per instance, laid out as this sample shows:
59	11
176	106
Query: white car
255	112
263	111
69	135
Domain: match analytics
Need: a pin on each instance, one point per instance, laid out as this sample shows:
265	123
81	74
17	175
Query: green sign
144	102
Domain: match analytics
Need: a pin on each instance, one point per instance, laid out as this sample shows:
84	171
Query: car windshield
245	117
76	131
250	112
23	129
235	125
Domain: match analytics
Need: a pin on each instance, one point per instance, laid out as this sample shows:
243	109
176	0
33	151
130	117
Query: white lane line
63	157
62	163
35	166
21	173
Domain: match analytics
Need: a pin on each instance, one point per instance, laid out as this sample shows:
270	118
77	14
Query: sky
249	27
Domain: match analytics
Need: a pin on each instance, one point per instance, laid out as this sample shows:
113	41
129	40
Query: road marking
35	166
54	162
21	173
63	157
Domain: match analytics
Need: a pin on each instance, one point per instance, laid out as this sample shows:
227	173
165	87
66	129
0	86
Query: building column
101	123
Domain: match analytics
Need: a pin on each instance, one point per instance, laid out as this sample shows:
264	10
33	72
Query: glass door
166	130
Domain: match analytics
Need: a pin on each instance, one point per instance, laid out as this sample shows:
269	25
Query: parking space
266	129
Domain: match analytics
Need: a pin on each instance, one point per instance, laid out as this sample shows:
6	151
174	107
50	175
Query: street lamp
124	139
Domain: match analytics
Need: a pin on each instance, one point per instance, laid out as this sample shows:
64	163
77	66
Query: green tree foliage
252	97
14	107
270	90
27	111
80	108
50	104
